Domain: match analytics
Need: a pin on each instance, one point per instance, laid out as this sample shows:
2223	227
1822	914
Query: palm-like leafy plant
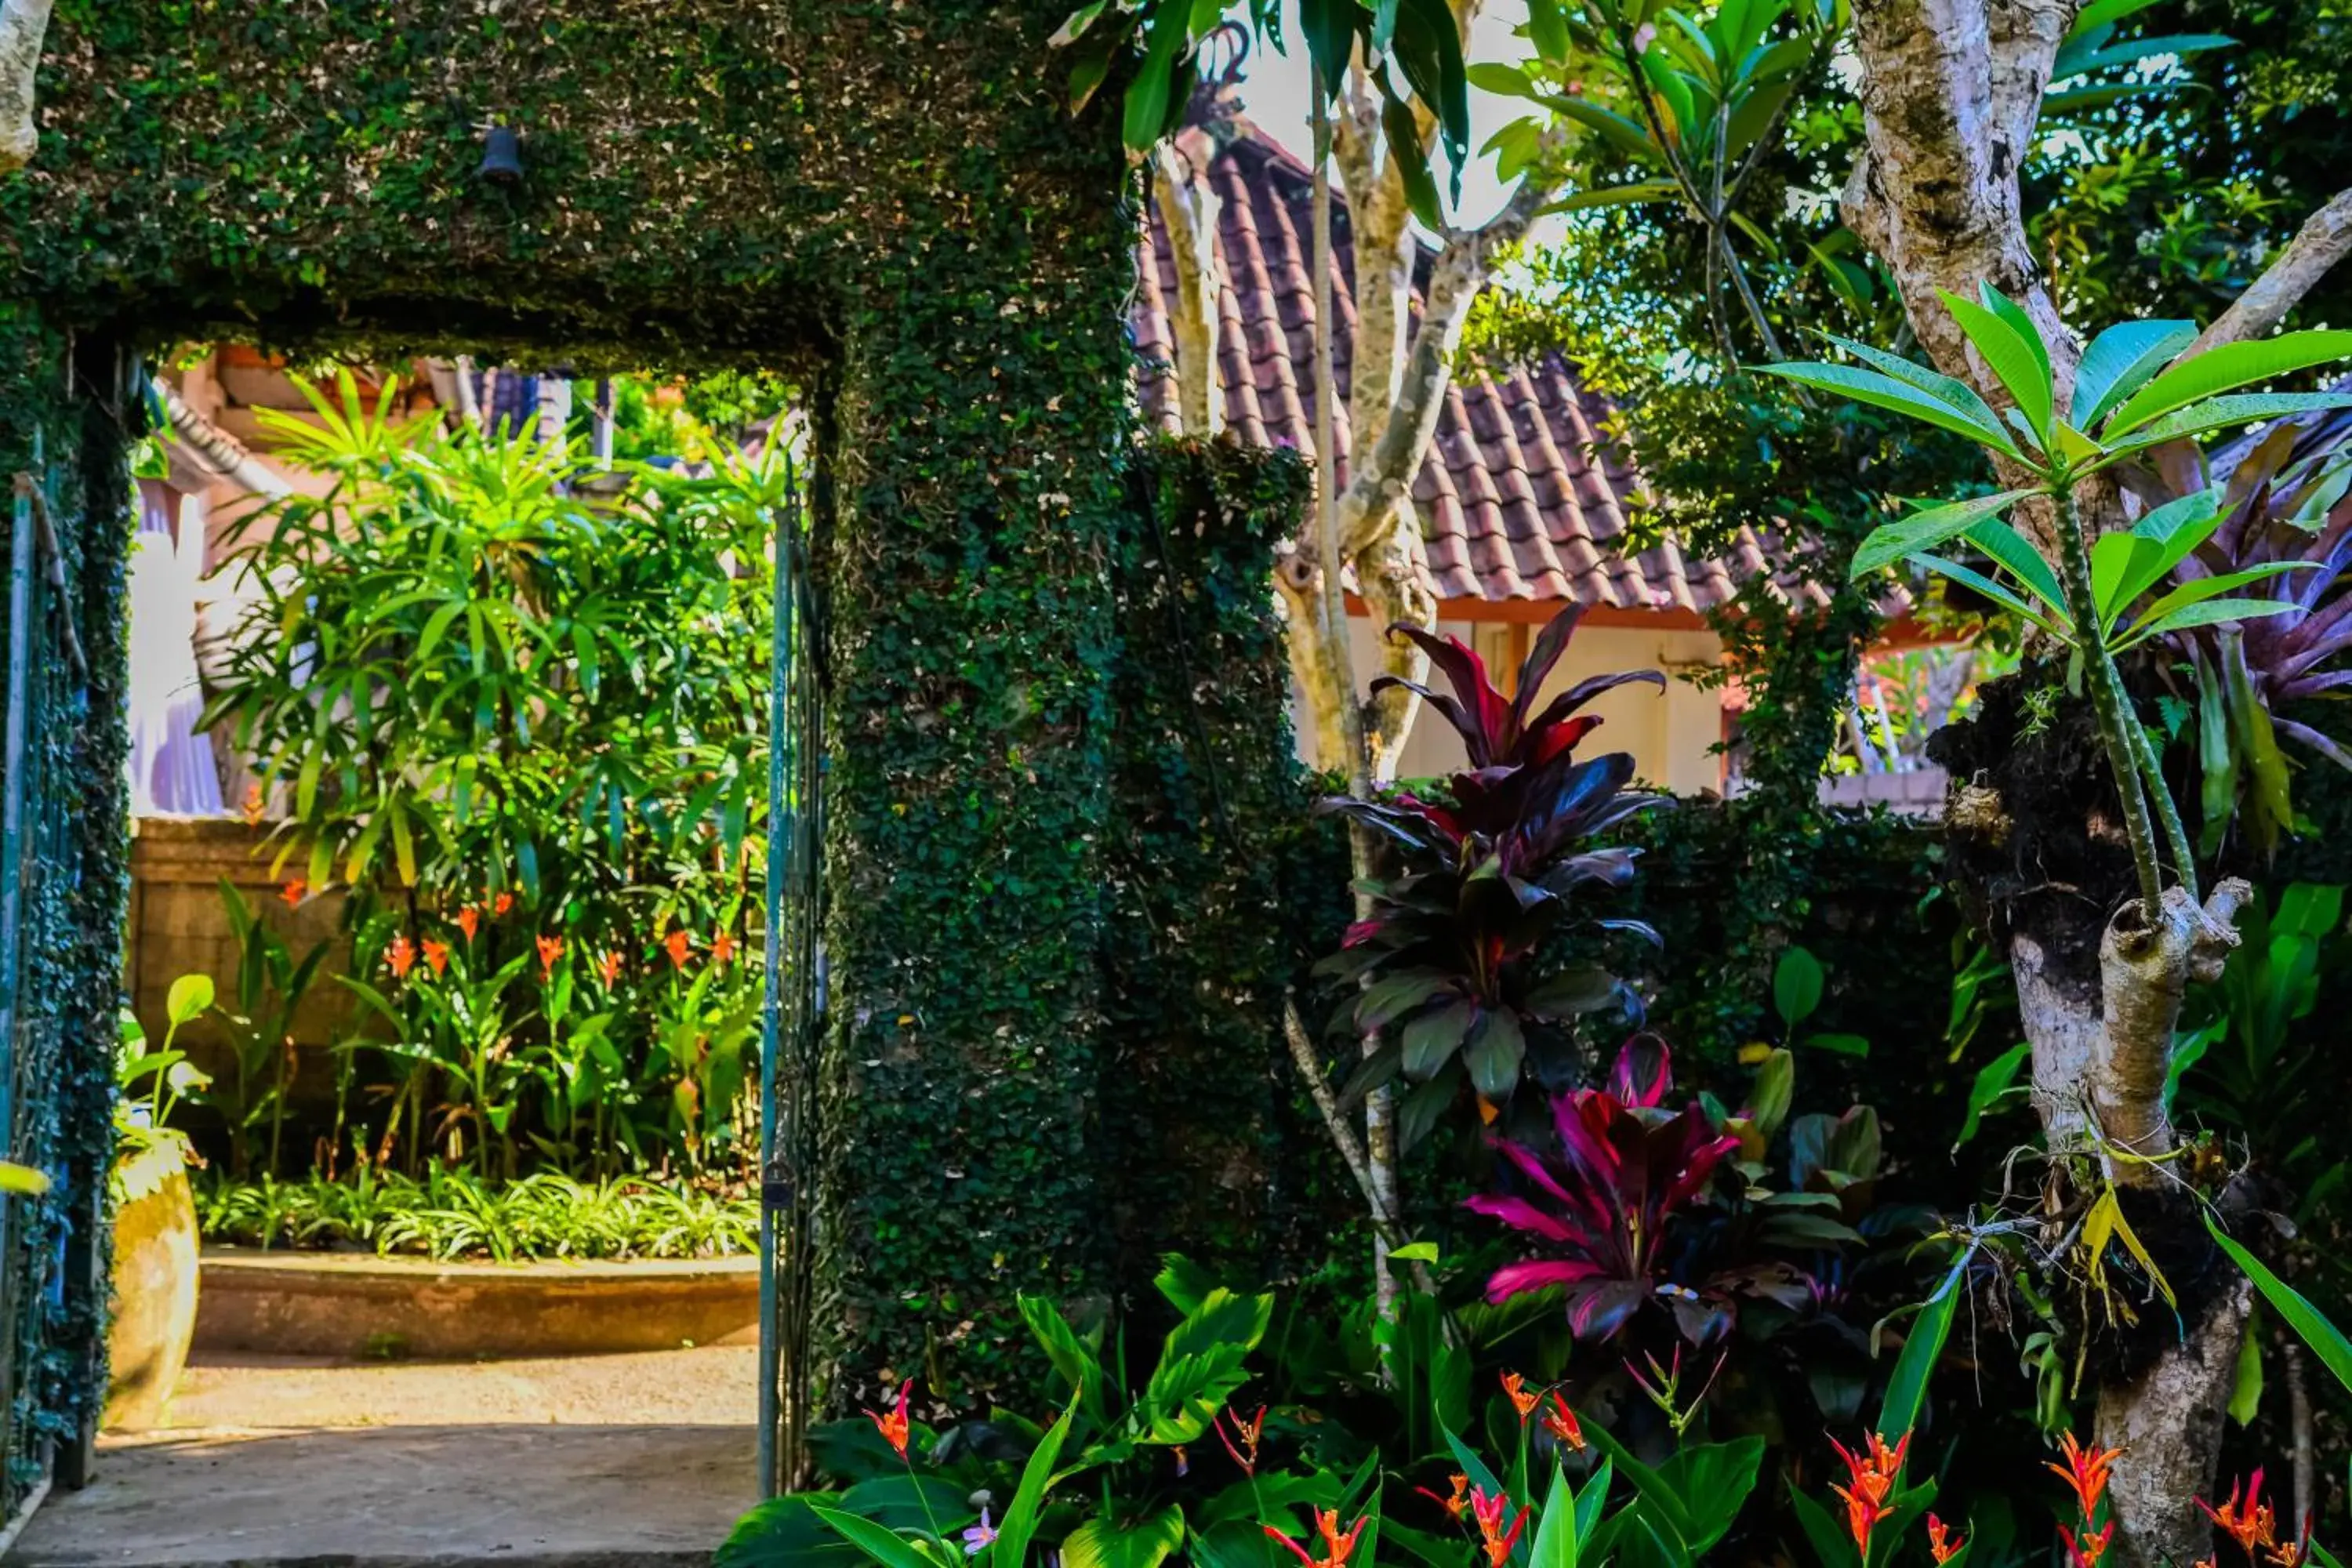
2132	394
1488	876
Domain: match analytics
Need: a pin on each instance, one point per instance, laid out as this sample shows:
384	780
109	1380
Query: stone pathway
591	1462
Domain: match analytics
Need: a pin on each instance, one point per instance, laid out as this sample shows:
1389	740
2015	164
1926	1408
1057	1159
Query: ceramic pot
155	1246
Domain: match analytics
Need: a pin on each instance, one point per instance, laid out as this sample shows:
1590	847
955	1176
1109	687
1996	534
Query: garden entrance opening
472	948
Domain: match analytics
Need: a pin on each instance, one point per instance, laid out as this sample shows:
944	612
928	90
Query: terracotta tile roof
1518	497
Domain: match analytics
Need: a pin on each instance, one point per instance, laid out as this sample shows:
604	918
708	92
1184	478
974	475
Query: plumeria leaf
1926	530
2015	355
2220	413
1885	392
2012	551
2223	369
2119	361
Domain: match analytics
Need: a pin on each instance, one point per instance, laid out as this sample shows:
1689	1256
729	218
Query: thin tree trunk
1189	208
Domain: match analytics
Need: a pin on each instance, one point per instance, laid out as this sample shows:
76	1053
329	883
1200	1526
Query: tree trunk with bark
1951	92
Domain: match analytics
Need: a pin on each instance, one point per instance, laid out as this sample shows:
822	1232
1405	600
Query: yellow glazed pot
155	1279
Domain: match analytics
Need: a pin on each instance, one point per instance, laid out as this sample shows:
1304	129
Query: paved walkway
592	1462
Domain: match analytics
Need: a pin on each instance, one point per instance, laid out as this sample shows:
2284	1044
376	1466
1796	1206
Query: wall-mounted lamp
501	156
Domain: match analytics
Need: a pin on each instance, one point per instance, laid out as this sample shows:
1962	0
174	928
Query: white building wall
1670	733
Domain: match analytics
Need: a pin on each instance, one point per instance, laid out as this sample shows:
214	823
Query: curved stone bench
357	1305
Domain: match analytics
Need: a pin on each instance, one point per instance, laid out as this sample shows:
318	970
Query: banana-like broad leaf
2224	369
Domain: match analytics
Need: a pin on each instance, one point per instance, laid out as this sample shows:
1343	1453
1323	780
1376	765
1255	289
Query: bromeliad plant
1443	963
2129	399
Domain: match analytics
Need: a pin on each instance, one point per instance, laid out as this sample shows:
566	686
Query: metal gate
47	1248
793	1007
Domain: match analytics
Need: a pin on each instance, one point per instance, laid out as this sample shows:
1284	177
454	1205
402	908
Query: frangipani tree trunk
1400	374
23	25
1951	93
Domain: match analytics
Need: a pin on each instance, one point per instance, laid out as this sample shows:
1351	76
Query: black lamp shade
501	156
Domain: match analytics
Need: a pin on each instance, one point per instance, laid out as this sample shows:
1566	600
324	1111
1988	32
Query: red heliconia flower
1941	1543
677	944
401	954
1563	1425
2086	1550
252	808
551	948
893	1427
1488	1510
2085	1470
609	967
722	948
1521	1400
1459	1504
469	920
437	955
1337	1547
293	891
1872	1473
2249	1523
1242	1442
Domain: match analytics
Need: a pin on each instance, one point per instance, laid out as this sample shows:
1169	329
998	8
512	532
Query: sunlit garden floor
588	1462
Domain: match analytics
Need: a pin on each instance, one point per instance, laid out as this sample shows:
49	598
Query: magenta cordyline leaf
1644	1073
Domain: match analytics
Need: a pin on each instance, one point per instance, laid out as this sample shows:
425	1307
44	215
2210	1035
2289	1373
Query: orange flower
1336	1546
722	948
252	807
1488	1510
469	920
502	903
402	955
1872	1473
677	944
551	948
1941	1543
1516	1386
893	1427
2290	1553
609	967
2249	1523
1242	1444
293	891
1459	1504
2087	1552
1563	1425
2085	1470
436	954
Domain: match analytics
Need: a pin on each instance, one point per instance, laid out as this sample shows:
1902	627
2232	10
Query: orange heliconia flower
1872	1473
1337	1547
1941	1543
722	948
2087	1552
677	944
252	808
2248	1522
551	948
469	920
1488	1510
1243	1443
893	1427
502	903
402	955
609	967
1459	1504
1516	1387
436	954
1563	1425
2085	1470
293	891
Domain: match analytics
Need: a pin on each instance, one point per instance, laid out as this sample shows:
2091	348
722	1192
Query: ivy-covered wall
888	200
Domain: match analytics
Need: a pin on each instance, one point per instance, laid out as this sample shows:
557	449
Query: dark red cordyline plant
2285	498
1441	961
1603	1209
